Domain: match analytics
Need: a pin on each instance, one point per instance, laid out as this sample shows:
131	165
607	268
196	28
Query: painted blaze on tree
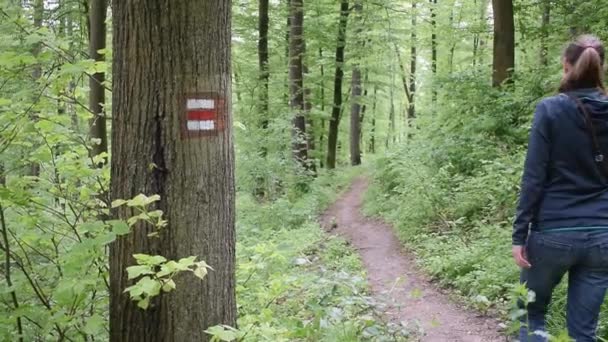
165	50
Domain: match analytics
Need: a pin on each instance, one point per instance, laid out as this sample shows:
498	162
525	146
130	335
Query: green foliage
151	282
451	190
294	283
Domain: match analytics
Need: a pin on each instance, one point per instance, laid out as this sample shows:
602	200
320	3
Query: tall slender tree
504	41
355	112
263	97
372	133
264	75
296	83
97	42
365	87
546	20
481	31
391	113
37	70
334	123
322	100
307	109
433	9
166	52
411	111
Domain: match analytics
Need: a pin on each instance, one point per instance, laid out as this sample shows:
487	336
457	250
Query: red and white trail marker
204	115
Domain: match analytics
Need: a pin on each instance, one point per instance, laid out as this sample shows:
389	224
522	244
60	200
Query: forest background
434	97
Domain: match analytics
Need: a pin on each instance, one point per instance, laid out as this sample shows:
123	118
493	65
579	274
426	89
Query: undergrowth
451	190
297	283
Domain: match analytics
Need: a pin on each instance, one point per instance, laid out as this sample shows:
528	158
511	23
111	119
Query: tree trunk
263	60
166	52
322	131
372	134
237	87
454	27
355	111
355	123
310	124
97	41
411	111
37	71
334	123
287	32
404	77
434	50
264	76
365	87
74	119
546	20
391	113
296	83
475	40
504	41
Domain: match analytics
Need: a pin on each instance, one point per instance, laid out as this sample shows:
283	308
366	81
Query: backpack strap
598	154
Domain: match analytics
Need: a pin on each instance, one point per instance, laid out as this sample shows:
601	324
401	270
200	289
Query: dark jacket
562	187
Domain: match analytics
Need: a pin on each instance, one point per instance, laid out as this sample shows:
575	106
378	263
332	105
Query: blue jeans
584	255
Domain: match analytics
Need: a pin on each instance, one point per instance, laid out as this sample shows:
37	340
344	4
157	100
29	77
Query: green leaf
117	203
168	268
169	285
223	333
202	263
145	259
139	270
200	272
137	201
142	200
155	213
94	325
185	263
119	227
150	286
144	303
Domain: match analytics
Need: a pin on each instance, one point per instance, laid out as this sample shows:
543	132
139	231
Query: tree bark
97	41
452	40
322	131
476	39
404	76
37	71
391	113
365	87
263	60
504	41
296	83
310	124
546	21
411	111
434	50
334	123
355	111
74	119
166	51
372	134
263	99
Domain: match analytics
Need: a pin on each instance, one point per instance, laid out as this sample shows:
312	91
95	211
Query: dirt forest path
394	279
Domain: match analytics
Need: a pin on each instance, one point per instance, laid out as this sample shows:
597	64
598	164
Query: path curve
410	297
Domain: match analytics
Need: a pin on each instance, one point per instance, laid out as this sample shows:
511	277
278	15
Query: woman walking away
562	217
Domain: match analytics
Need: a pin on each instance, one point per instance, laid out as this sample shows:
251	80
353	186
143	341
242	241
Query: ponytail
586	60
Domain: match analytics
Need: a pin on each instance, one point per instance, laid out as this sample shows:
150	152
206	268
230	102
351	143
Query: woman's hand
521	257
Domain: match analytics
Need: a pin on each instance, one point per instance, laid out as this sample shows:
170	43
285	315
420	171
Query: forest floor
410	297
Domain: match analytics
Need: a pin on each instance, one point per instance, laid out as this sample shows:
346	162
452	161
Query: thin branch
7	270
